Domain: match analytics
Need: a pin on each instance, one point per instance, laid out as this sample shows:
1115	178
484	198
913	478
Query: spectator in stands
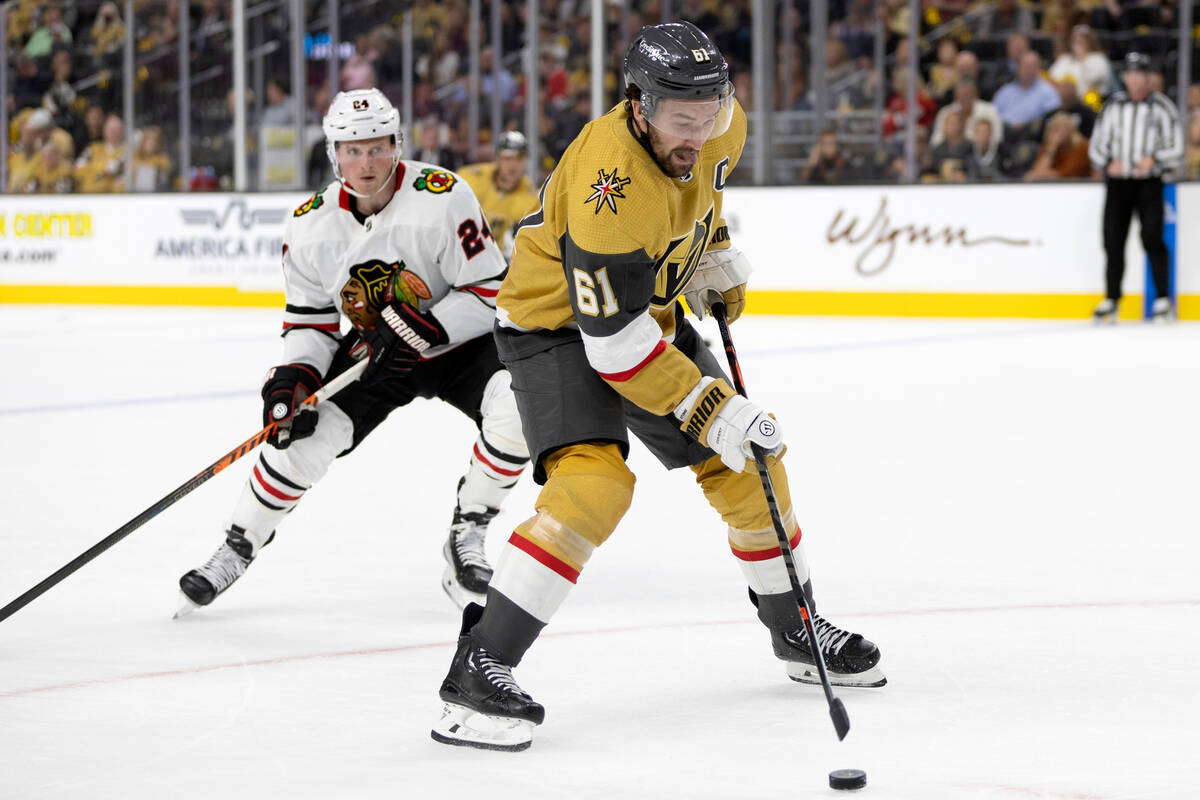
1064	152
967	102
1028	97
1084	116
943	75
952	157
101	168
827	164
93	128
357	73
1004	71
60	96
985	148
1191	162
1003	18
856	30
280	110
506	86
429	145
838	65
108	31
1059	16
966	65
29	83
24	157
54	173
53	33
896	115
151	165
1193	99
1085	64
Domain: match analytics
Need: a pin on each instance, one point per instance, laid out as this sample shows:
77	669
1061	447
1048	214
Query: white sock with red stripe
532	577
499	455
490	477
279	478
763	564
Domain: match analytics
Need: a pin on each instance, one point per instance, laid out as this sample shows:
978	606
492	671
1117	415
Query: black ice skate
1106	312
467	570
850	659
201	586
483	706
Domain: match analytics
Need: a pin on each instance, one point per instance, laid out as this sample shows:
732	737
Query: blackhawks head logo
606	190
314	202
373	284
434	180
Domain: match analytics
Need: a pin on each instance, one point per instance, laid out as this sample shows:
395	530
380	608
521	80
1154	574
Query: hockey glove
397	339
727	423
284	389
724	271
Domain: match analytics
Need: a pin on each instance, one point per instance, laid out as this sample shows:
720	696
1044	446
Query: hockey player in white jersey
402	249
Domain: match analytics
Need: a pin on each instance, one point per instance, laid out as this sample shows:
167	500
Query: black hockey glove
398	338
283	391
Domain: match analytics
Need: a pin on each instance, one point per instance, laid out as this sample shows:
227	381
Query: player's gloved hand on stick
721	274
397	339
284	389
728	423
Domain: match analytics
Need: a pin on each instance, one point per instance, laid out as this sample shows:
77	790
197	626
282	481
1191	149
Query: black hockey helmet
677	61
512	142
1135	61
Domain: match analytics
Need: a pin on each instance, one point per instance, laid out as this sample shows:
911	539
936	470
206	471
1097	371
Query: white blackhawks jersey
431	243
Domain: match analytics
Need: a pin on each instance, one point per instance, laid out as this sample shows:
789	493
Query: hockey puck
847	779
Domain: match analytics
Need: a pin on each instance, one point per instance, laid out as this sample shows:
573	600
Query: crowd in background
1007	89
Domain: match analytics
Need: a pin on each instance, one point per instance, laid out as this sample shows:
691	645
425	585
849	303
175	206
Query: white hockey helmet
356	115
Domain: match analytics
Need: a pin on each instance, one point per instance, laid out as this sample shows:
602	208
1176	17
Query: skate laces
467	534
496	672
225	567
830	638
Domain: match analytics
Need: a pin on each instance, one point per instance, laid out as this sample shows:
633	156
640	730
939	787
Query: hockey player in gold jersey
503	189
590	327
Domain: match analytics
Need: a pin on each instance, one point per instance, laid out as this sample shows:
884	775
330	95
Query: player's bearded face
366	163
677	132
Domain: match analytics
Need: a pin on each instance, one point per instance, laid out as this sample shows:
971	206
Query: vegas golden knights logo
675	267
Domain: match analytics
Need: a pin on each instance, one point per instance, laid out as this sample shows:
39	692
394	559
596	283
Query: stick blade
841	720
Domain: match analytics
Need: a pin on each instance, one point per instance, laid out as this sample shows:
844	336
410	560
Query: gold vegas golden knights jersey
502	209
610	251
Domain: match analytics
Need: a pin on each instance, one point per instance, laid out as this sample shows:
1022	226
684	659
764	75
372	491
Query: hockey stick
324	393
837	710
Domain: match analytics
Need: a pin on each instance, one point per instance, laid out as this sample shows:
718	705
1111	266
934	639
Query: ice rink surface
1007	508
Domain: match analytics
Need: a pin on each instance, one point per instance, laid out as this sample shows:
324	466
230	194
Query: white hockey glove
727	423
725	271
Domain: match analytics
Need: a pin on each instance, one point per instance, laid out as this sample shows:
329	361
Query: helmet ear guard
357	115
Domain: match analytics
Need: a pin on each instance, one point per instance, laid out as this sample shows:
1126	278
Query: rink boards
1016	250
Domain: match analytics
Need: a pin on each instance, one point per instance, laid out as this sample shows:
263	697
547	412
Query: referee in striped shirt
1137	138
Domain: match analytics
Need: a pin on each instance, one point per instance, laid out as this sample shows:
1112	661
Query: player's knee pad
306	461
501	423
738	496
588	489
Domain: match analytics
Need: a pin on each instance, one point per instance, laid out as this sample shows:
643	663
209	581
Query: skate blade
804	673
186	606
459	593
462	727
1106	319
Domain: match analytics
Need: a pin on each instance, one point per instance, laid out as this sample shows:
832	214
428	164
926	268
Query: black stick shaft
837	710
171	498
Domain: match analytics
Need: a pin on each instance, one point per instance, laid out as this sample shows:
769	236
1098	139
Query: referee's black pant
1123	196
